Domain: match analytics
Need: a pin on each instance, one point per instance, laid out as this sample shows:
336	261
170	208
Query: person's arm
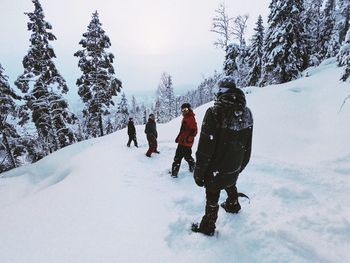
248	149
155	133
206	147
192	130
248	146
147	128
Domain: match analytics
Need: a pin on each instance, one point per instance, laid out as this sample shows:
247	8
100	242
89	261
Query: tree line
299	34
37	122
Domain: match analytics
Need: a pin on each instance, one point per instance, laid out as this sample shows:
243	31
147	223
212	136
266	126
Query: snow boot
207	225
231	205
192	165
175	167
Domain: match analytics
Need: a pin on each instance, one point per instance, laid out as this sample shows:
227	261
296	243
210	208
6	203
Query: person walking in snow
223	152
131	133
151	133
185	140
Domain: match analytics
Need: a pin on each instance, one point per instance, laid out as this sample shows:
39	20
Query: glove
198	178
199	181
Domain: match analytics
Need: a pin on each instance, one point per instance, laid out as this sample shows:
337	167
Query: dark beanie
186	105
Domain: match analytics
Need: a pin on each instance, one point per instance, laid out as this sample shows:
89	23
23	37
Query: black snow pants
182	152
132	138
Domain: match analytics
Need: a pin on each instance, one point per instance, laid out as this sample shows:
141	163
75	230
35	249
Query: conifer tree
255	54
122	113
9	148
109	126
285	53
98	83
165	99
44	87
312	20
344	57
343	19
230	63
136	111
329	40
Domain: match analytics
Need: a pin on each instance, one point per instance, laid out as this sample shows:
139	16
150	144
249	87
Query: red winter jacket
188	130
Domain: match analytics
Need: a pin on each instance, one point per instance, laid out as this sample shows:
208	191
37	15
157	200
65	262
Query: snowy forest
36	119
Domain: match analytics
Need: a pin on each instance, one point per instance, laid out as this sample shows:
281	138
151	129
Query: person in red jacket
185	140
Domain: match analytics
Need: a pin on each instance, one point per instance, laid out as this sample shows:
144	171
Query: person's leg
130	138
155	146
231	205
135	141
189	158
207	225
150	146
177	161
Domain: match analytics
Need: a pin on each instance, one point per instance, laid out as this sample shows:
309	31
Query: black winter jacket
151	128
131	128
224	146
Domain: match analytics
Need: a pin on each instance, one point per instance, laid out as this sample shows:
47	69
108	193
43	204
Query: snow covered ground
99	201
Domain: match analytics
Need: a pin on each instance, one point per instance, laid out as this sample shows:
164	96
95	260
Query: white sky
148	37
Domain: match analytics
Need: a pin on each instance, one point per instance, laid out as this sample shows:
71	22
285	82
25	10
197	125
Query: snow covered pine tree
285	53
344	57
329	40
97	85
9	149
122	115
255	54
166	110
44	86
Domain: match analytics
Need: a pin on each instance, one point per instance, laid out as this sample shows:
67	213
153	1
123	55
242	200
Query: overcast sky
148	37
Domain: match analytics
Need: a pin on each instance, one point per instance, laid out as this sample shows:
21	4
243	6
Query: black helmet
228	94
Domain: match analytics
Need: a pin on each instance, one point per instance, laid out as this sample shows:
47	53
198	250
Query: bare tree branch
221	26
239	27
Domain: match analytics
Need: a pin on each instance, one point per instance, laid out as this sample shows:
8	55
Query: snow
99	201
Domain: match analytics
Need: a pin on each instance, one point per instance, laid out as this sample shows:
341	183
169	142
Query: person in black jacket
131	133
151	133
223	152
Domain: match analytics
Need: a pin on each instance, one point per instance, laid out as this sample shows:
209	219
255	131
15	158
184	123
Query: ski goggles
223	90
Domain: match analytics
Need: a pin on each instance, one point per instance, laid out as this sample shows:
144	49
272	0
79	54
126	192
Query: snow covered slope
99	201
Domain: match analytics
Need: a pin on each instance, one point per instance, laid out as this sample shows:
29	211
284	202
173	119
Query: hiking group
224	149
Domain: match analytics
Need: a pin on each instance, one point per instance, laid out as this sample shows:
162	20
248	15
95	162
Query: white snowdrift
99	201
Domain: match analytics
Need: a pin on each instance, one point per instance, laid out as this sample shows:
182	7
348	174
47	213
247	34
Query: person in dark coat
185	140
151	133
223	152
131	132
